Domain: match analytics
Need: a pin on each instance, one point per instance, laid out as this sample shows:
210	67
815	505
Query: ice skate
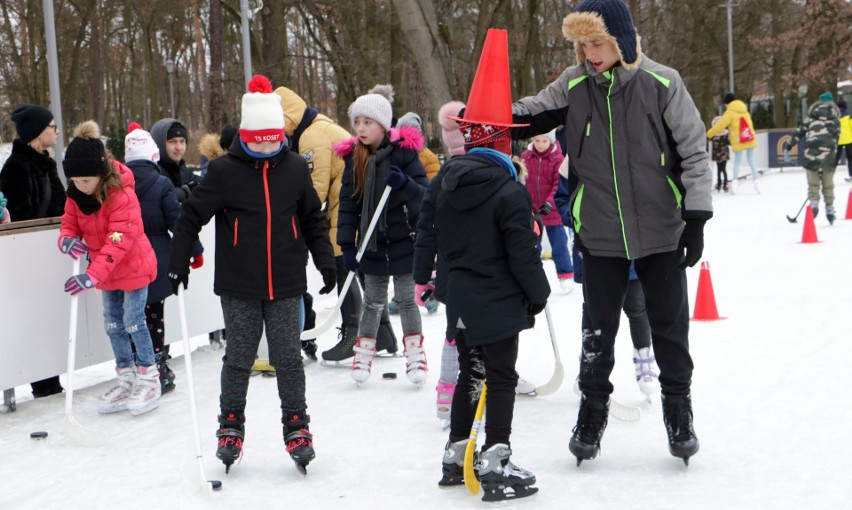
452	466
167	377
757	187
432	305
362	363
346	336
830	214
525	387
115	399
415	358
298	440
501	480
386	341
444	402
309	347
567	285
393	307
146	395
677	416
230	434
585	443
815	207
647	375
262	367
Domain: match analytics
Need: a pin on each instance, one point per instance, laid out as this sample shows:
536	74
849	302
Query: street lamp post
170	68
729	4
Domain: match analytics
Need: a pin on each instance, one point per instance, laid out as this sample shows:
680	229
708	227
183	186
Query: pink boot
445	399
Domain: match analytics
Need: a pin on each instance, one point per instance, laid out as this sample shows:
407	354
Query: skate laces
591	422
644	366
301	437
678	415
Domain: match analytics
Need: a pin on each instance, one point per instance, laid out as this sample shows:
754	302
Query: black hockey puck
216	485
41	434
389	375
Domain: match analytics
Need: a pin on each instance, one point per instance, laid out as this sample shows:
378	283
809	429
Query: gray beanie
410	119
373	106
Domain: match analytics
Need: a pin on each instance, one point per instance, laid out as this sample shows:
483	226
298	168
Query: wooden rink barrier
34	309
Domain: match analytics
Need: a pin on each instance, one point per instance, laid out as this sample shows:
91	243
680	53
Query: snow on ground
768	399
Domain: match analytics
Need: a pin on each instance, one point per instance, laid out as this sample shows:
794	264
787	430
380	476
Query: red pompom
133	127
260	83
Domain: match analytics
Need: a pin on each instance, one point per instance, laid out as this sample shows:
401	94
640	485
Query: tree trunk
96	66
216	31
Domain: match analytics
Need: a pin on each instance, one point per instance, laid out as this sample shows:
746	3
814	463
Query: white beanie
373	106
138	144
551	135
262	116
410	119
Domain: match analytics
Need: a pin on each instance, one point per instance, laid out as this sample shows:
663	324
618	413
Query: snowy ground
768	398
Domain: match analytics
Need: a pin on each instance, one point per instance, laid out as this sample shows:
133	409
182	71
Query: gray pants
376	297
245	320
824	179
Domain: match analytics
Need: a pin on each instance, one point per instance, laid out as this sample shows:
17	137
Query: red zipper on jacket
268	229
236	230
295	232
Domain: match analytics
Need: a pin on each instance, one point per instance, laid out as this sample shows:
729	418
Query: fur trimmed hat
605	20
450	129
138	144
373	106
262	116
85	155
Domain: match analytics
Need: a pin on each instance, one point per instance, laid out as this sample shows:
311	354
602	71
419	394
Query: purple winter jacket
543	179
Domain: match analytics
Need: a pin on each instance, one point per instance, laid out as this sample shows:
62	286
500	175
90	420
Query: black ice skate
167	377
386	339
677	415
585	444
344	348
501	480
298	440
309	347
231	433
452	466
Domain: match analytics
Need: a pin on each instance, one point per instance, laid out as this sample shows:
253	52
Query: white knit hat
373	106
551	135
138	144
262	116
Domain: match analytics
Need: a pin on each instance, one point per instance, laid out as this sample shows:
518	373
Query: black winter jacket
484	232
267	218
31	184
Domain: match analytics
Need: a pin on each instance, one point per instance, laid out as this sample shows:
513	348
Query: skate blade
508	494
336	364
388	355
445	424
268	375
302	468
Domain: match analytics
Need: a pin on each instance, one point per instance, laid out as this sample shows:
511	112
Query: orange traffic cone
809	232
705	300
849	206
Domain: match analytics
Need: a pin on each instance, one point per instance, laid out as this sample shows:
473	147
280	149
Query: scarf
88	204
374	185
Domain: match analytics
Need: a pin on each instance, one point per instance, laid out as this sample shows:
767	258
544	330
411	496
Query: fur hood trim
210	148
409	138
587	26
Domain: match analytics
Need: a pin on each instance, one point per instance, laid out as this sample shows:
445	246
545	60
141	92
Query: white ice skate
646	372
567	285
146	396
362	363
525	387
415	358
116	398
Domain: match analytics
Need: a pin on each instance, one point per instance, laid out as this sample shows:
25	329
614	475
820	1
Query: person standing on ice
268	216
495	281
737	121
102	209
379	157
643	193
821	130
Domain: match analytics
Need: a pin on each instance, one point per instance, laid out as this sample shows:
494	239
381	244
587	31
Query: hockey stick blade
83	435
555	381
207	485
470	480
623	412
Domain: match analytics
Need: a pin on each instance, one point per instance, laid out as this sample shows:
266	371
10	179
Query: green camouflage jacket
821	130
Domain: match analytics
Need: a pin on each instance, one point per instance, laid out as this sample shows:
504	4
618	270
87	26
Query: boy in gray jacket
642	188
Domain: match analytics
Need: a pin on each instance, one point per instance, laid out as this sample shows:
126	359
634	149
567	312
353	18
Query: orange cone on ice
849	206
705	300
809	232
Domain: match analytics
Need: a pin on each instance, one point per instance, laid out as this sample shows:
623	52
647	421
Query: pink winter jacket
120	253
543	179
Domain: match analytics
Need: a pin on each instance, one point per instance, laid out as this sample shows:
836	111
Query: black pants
350	310
848	149
156	325
494	363
721	174
664	285
634	309
245	320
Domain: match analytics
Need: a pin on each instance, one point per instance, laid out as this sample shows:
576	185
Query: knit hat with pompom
138	144
450	132
85	155
262	116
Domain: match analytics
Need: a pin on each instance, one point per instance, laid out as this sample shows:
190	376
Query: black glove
545	209
329	279
176	279
350	259
396	178
536	308
692	243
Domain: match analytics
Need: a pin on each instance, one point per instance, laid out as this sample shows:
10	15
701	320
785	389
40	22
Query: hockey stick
333	317
206	485
559	371
470	480
82	435
623	412
793	219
